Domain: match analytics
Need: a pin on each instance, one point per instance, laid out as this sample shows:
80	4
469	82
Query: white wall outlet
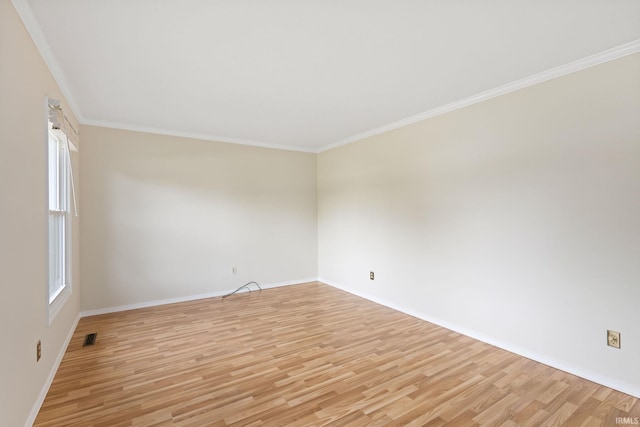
234	270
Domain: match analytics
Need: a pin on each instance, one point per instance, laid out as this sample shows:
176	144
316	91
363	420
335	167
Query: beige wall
516	220
167	217
25	82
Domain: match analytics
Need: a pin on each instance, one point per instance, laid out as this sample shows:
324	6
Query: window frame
59	222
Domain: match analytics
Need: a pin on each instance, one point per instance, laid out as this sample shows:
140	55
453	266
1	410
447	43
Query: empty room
289	213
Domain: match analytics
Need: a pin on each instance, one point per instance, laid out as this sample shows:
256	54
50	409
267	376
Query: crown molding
194	135
33	28
590	61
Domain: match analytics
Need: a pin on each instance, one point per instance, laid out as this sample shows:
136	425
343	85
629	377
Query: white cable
73	185
246	285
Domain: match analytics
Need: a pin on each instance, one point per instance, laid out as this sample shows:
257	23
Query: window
59	221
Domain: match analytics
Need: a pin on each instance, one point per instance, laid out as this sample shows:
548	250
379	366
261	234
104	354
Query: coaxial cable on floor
246	285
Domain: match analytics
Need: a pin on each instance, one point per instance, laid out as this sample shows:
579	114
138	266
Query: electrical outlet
371	275
613	339
234	270
38	351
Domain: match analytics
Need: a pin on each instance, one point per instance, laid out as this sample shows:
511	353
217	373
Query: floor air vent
90	339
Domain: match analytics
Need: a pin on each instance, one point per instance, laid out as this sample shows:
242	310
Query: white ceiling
301	74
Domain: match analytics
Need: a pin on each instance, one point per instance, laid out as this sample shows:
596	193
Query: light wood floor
306	355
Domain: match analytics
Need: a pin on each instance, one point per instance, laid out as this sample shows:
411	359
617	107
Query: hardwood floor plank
558	418
306	355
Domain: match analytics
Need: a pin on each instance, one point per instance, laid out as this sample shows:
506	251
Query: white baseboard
45	389
588	375
213	294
